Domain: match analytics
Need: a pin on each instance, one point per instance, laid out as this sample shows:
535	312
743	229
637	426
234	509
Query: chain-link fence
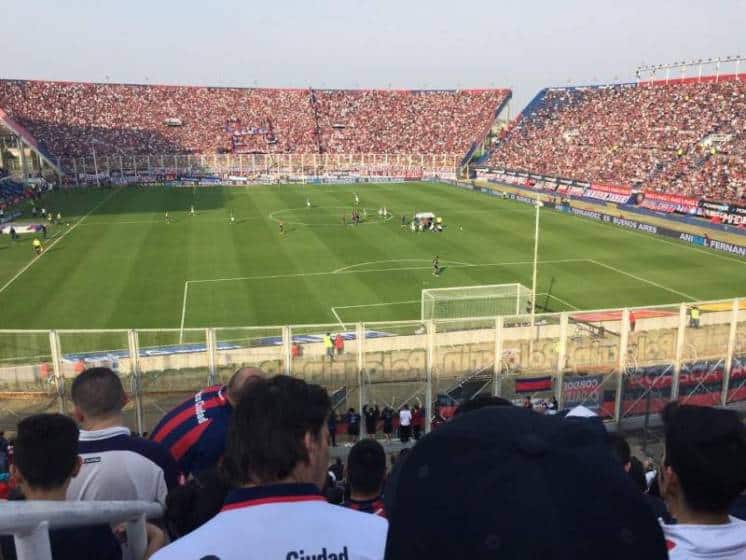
624	364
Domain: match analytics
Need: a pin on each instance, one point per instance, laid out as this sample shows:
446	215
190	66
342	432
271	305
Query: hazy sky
524	45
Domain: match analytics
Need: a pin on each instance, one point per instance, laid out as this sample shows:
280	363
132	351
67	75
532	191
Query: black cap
504	482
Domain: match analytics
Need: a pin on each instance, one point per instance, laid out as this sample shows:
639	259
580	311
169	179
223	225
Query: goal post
475	301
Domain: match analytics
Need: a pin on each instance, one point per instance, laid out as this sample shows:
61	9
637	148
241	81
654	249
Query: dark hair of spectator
267	429
366	467
194	504
46	450
706	448
480	402
338	468
637	474
98	392
619	448
333	492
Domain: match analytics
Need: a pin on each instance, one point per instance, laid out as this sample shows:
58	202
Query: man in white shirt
116	465
277	457
702	473
405	424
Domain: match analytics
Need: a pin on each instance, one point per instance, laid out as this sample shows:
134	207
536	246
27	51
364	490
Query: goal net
475	301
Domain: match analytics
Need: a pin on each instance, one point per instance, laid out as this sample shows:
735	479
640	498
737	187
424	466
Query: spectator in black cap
503	482
481	401
702	474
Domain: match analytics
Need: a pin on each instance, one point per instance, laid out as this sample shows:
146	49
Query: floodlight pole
95	164
538	206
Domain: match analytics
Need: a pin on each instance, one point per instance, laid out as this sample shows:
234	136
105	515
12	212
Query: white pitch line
303	274
344	268
641	279
567	303
658	238
377	304
53	243
157	222
183	312
334	311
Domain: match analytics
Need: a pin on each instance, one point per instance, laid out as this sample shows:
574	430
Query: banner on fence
585	390
533	384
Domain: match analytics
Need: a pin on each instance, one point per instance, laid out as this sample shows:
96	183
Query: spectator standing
371	419
632	321
46	459
388	422
366	471
332	426
553	406
277	457
418	422
194	432
694	317
621	451
353	425
329	346
116	464
3	453
339	343
702	474
405	424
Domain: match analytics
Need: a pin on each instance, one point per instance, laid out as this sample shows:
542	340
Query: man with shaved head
194	432
115	464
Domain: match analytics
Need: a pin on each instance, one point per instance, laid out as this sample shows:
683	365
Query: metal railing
30	522
617	361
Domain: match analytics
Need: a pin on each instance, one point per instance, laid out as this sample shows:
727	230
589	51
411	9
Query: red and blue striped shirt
195	431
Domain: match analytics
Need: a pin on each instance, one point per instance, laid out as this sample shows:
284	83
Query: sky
435	44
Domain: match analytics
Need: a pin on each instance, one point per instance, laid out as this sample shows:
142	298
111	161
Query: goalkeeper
436	266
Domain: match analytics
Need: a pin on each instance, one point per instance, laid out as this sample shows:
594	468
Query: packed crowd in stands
70	119
13	192
247	474
656	136
381	121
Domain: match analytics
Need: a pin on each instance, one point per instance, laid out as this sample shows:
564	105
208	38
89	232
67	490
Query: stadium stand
12	192
683	137
66	118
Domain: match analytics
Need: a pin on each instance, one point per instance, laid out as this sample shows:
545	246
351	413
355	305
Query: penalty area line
645	280
562	301
339	320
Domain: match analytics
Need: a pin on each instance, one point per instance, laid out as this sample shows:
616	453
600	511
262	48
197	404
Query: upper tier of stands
67	118
684	137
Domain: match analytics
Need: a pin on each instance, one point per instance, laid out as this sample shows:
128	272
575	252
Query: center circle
325	216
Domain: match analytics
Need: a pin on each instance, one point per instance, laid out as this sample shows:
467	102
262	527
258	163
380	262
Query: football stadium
420	249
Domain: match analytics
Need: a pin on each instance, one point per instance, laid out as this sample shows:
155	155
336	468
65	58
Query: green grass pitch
119	264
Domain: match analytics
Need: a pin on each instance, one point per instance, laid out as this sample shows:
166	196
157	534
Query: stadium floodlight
471	302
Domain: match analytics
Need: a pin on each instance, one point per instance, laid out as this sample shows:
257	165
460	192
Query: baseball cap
505	482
